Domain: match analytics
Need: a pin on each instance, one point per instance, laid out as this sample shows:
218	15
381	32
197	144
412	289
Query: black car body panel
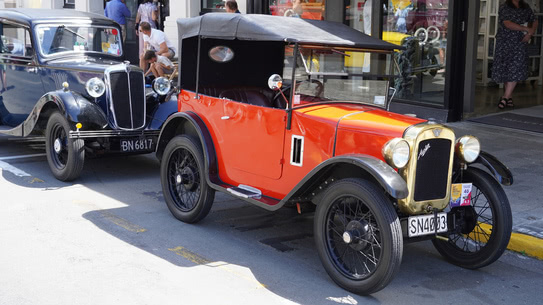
47	58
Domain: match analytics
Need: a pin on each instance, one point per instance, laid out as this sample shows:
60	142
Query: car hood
361	118
90	64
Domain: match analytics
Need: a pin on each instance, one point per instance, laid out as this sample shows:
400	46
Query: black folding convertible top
276	28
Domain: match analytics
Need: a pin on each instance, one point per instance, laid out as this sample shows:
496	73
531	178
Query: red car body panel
243	134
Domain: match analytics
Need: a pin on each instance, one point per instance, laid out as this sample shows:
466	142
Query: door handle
32	70
225	117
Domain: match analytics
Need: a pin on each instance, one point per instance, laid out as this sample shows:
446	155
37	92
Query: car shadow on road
277	252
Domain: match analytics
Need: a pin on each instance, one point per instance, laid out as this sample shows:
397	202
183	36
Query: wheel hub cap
347	237
357	234
57	145
187	177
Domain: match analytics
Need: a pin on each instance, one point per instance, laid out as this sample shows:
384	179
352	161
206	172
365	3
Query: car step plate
425	224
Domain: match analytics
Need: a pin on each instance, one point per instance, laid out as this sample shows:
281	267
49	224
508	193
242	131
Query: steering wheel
320	87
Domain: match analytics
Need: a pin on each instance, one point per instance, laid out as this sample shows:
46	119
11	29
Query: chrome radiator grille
432	169
428	173
126	89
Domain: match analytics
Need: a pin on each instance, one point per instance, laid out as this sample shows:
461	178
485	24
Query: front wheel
483	229
358	236
65	156
188	196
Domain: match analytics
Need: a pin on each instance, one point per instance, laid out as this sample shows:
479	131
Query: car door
20	81
253	138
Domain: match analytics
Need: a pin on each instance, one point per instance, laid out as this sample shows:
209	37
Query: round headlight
468	148
95	87
396	152
162	85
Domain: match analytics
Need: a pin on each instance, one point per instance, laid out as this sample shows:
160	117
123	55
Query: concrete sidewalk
522	152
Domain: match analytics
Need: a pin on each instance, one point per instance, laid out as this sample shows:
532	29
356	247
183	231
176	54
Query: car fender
345	166
190	123
496	168
73	106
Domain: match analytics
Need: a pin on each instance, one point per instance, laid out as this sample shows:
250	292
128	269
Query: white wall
93	6
52	4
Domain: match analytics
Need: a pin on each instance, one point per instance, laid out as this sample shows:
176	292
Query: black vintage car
63	74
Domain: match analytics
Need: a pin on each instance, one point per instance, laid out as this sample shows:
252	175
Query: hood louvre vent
297	150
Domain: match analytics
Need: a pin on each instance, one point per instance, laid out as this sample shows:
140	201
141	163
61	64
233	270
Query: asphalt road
108	238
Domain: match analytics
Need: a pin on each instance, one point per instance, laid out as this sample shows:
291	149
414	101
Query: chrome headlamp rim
162	85
397	152
95	87
468	148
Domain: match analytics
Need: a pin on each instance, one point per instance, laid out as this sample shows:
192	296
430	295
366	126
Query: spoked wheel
483	229
358	236
65	156
185	189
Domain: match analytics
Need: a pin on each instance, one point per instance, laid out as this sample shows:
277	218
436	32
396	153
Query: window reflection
420	26
306	9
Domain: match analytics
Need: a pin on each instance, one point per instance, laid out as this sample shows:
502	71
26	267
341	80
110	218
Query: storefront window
306	9
212	4
420	26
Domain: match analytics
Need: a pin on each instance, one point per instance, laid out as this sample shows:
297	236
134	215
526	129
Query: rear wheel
483	229
188	196
358	236
65	156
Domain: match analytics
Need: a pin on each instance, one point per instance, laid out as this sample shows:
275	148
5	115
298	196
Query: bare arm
532	26
163	49
517	27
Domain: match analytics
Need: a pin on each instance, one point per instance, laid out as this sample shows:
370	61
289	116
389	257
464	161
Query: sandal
502	103
510	102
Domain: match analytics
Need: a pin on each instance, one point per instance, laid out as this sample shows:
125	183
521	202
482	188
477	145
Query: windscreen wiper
63	27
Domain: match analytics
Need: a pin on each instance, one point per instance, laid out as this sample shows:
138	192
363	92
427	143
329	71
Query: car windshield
324	74
53	39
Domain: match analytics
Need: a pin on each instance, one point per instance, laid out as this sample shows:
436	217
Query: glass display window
421	27
306	9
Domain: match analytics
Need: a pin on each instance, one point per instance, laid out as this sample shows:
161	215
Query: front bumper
86	134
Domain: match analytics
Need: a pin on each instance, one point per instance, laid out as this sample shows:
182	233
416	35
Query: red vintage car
277	118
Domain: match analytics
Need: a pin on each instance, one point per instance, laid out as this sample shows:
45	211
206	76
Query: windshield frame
299	48
72	52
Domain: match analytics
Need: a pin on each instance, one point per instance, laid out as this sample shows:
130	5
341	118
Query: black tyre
65	156
485	227
184	185
358	236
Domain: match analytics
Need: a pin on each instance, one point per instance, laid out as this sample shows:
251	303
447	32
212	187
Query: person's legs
123	32
509	88
154	70
143	63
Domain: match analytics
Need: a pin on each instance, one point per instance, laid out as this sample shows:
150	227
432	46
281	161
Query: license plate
137	144
425	224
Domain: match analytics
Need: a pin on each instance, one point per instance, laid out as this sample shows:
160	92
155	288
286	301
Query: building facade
449	42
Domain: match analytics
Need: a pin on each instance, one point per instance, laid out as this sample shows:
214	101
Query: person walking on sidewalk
117	10
511	55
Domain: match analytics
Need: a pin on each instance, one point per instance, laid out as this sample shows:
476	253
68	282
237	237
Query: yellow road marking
200	260
529	245
123	223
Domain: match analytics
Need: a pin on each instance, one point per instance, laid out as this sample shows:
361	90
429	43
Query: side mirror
275	82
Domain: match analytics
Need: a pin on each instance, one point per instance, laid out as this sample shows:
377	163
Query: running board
245	191
12	131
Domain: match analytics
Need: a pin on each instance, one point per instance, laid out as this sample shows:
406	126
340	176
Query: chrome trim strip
111	133
123	68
